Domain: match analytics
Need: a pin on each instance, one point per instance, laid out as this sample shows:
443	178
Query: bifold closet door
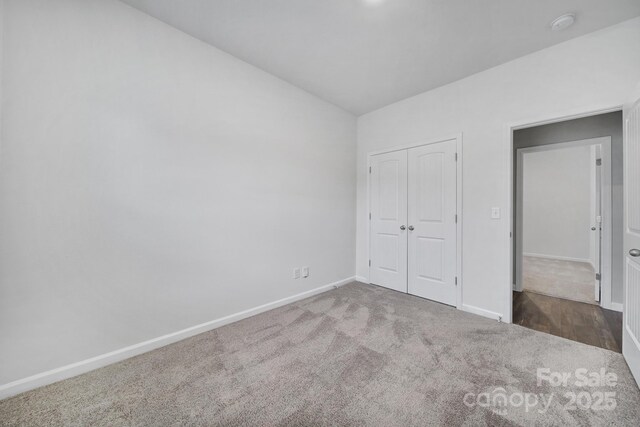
388	192
432	222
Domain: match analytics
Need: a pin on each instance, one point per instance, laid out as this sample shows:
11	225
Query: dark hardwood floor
577	321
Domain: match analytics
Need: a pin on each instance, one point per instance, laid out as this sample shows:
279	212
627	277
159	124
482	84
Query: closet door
432	222
388	238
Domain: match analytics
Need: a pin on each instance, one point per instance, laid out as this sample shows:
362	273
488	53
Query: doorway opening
568	229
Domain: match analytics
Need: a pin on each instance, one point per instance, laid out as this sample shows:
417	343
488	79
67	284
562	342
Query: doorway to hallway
568	266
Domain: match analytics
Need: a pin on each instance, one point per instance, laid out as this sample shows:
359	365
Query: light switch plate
305	271
296	273
495	213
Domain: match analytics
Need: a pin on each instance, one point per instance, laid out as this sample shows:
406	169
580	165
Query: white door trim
607	210
507	284
458	139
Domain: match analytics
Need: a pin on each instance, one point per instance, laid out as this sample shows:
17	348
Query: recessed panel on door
631	310
432	222
388	204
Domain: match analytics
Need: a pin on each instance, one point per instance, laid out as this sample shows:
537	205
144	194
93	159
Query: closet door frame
458	139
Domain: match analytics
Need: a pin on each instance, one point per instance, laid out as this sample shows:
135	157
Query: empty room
305	212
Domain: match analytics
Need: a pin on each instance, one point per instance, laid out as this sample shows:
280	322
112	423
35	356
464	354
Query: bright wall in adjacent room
556	199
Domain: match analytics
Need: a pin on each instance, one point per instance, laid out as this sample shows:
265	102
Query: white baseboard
558	257
362	279
482	312
616	306
74	369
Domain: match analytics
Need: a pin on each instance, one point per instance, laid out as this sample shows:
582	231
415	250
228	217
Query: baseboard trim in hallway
74	369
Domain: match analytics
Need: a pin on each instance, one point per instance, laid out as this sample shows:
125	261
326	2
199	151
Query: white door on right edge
432	222
631	315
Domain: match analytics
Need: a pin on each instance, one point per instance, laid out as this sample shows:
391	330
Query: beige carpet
360	355
562	279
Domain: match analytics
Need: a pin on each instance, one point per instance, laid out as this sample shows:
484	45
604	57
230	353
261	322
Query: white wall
1	67
557	203
596	71
150	182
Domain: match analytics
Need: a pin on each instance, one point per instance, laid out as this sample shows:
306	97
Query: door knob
632	252
402	227
411	228
593	229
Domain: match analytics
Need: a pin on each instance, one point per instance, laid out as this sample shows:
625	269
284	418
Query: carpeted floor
359	355
557	278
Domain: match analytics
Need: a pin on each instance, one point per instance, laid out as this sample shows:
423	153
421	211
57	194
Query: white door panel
631	327
388	214
431	220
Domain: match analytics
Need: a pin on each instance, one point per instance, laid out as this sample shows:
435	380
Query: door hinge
456	280
369	263
598	162
456	157
597	276
369	169
456	218
369	215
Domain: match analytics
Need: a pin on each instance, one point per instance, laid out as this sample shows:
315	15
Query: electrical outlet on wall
305	272
296	273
